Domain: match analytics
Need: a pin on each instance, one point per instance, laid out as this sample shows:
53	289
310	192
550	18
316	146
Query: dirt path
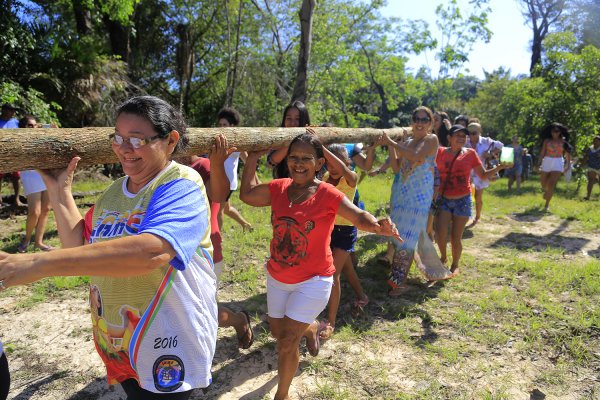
53	357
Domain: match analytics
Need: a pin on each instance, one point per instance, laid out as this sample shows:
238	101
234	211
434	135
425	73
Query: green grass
515	306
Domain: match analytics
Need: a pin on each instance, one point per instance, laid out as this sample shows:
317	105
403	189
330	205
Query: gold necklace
297	197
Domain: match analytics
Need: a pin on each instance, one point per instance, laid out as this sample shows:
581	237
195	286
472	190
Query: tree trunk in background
185	57
119	38
83	18
306	18
233	65
22	149
542	14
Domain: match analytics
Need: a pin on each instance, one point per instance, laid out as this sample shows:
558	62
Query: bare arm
350	176
69	221
365	162
542	153
278	155
251	191
123	257
486	174
394	159
365	221
219	183
430	146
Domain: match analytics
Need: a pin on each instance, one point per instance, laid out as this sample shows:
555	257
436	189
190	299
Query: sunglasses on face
135	142
421	120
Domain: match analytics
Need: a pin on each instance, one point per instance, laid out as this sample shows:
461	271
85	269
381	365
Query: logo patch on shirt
168	373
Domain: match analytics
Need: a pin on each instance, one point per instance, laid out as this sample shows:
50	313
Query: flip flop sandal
247	332
45	247
23	247
316	346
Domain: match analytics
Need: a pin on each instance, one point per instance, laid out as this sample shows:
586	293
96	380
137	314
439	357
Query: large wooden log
22	149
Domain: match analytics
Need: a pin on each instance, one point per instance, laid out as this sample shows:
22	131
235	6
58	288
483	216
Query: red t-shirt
302	233
202	166
459	183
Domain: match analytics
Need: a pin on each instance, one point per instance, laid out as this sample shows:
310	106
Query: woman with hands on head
300	267
148	254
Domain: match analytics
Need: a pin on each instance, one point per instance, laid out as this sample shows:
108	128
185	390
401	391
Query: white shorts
302	301
478	182
553	164
32	182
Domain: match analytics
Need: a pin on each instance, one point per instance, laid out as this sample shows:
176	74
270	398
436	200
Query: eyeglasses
135	142
421	120
30	125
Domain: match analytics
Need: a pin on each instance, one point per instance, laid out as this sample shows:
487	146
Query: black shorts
229	195
343	237
4	377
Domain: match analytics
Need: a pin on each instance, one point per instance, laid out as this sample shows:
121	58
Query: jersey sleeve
88	224
178	213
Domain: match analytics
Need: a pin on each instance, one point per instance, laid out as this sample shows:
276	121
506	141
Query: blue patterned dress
410	202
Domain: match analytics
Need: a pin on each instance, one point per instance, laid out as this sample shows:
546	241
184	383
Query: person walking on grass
591	160
514	173
555	158
485	148
146	247
456	163
300	266
217	190
412	193
344	235
8	121
227	118
38	202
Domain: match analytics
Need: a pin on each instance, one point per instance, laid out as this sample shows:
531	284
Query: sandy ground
53	356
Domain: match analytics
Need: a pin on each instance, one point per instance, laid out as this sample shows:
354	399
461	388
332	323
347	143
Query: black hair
340	151
547	131
304	117
427	111
461	118
163	117
23	121
231	115
311	140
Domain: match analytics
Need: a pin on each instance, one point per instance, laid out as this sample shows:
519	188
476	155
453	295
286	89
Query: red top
302	233
202	166
459	183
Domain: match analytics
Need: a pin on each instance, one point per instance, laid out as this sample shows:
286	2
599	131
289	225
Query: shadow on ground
554	239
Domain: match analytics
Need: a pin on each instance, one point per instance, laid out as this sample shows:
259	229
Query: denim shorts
460	207
343	237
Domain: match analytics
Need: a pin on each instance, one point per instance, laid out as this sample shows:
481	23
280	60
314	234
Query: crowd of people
153	248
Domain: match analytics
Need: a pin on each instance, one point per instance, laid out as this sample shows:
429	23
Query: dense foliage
72	61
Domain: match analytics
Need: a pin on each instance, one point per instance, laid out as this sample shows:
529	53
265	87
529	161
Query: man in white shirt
484	146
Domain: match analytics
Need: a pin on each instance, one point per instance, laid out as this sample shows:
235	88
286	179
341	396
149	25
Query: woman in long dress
412	192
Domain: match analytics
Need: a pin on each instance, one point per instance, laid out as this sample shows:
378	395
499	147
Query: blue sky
509	46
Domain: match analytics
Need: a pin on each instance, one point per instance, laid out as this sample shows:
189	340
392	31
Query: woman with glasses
555	158
148	254
412	193
38	202
456	163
